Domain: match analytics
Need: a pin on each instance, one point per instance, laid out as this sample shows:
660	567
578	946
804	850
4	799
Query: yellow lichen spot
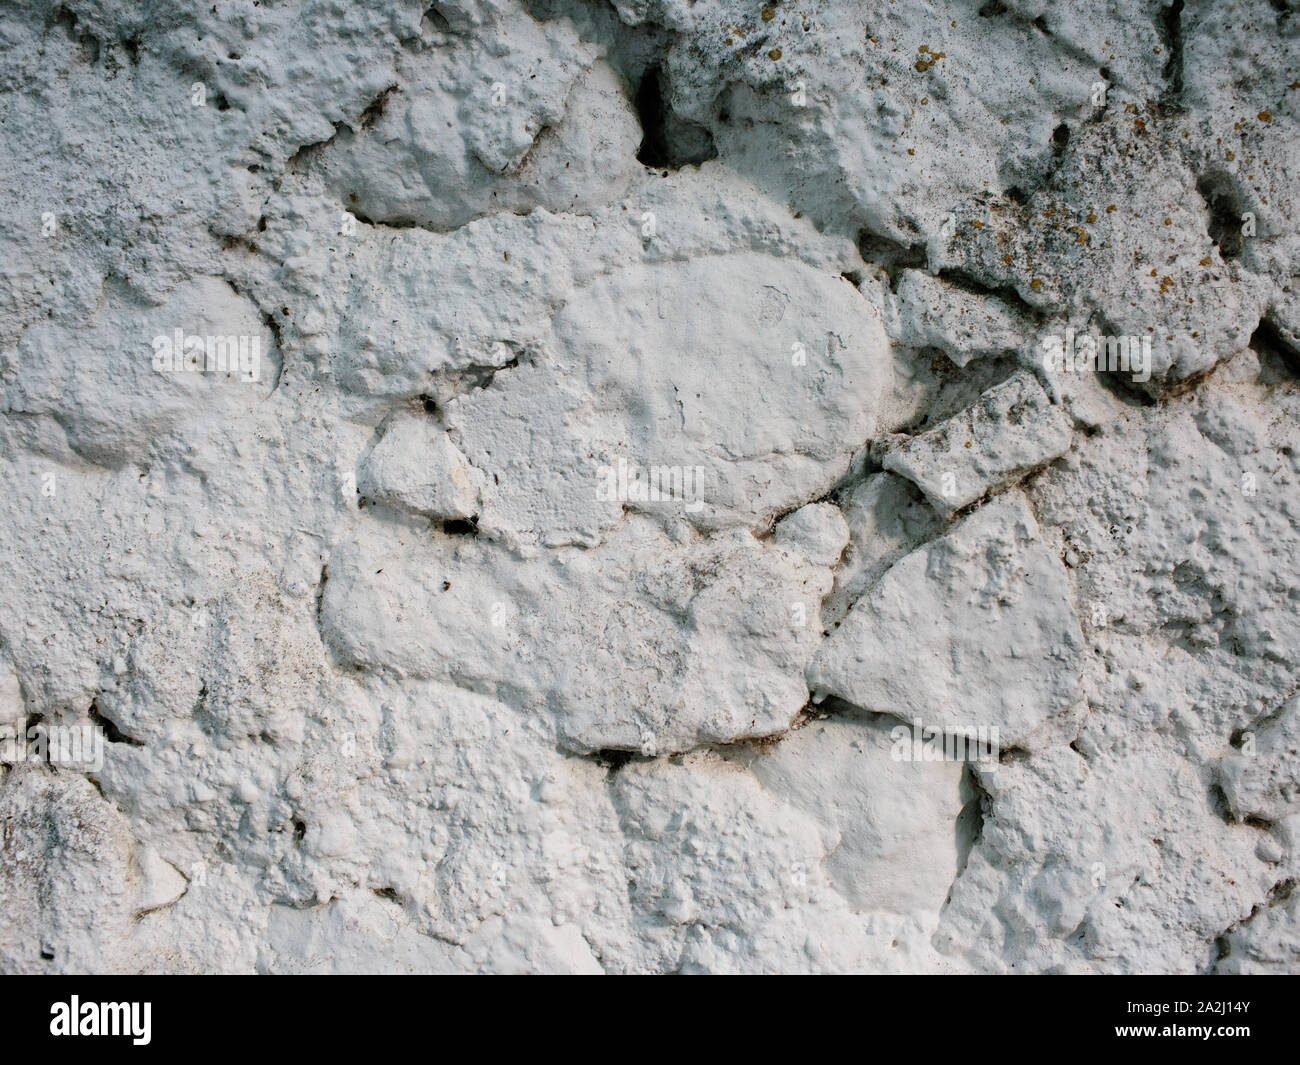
1139	125
1036	284
923	65
1169	221
1207	261
1092	216
768	14
774	54
1110	208
968	443
1265	116
911	151
1230	156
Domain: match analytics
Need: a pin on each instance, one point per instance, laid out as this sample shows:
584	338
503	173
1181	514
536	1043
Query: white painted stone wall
611	486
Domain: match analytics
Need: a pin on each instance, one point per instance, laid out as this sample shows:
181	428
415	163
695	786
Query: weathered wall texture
542	485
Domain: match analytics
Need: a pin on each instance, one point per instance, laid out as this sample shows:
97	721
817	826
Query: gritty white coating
398	667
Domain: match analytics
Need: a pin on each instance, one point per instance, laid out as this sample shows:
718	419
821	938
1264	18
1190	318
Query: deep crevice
890	255
959	278
35	721
1278	893
436	19
1225	208
112	732
1219	804
387	223
1171	29
1117	382
306	152
668	141
273	327
461	526
612	758
1267	340
969	826
650	108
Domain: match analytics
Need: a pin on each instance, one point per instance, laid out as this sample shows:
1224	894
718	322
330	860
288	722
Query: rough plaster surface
652	419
